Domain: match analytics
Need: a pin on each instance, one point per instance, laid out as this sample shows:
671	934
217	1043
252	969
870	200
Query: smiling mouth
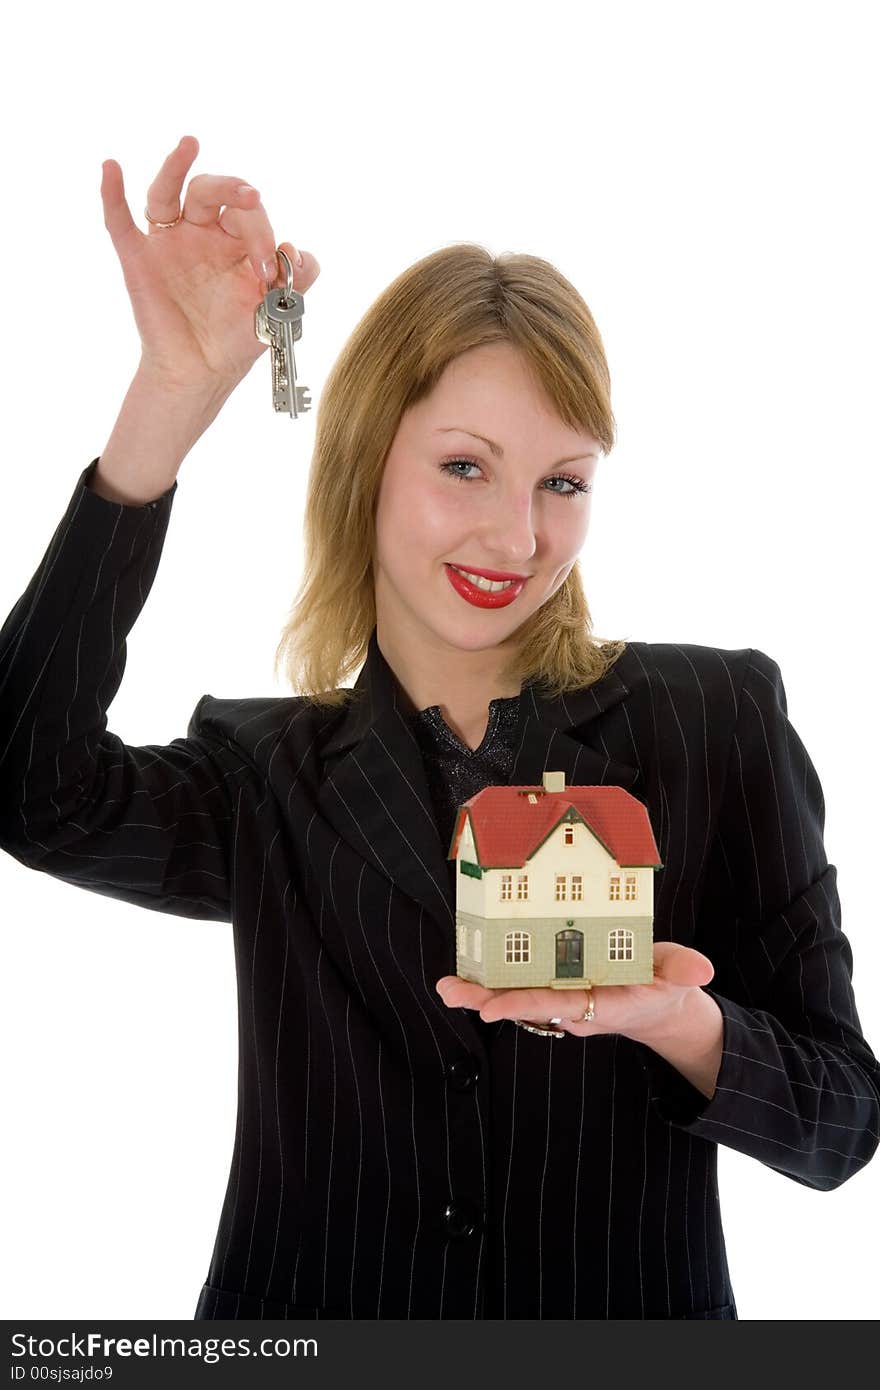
490	586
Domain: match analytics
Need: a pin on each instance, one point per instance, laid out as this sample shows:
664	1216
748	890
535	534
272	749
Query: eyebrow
499	452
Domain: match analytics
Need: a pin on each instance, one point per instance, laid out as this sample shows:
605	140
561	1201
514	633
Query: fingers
243	215
251	224
208	193
243	218
163	195
681	965
534	1005
117	214
305	275
465	994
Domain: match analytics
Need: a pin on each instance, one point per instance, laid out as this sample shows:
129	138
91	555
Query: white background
705	174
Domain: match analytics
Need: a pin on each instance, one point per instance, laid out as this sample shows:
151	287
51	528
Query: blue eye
578	485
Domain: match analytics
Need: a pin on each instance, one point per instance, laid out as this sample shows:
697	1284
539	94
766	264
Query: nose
507	534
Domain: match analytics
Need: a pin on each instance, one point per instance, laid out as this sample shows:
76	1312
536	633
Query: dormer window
569	835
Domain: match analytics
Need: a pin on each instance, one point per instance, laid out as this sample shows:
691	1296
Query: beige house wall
586	856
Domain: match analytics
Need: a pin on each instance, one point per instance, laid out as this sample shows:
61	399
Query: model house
555	886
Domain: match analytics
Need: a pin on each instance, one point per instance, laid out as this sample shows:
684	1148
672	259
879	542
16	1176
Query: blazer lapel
375	793
553	734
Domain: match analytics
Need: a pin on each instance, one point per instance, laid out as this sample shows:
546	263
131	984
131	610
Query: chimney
554	781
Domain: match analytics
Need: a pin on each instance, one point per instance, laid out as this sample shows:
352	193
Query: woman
409	1144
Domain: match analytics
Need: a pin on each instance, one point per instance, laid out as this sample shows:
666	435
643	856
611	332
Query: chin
480	636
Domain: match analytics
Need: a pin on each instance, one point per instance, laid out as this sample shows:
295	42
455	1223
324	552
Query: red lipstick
480	598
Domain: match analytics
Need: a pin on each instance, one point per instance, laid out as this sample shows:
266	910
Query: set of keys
278	322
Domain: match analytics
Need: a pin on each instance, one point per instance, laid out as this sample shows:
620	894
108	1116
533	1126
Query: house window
560	888
462	939
517	948
522	887
630	888
614	888
506	890
620	944
478	944
569	834
577	888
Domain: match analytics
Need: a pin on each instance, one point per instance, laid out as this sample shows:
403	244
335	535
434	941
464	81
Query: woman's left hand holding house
672	1015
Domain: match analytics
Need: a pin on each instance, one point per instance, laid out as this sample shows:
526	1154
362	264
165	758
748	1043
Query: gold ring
154	223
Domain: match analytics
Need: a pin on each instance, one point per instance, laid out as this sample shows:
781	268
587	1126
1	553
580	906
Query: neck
461	683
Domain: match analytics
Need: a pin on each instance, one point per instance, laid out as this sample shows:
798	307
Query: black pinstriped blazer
394	1158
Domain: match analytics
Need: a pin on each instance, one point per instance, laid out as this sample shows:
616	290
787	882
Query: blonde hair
455	299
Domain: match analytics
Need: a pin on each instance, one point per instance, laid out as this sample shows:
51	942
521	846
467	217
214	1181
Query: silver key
278	322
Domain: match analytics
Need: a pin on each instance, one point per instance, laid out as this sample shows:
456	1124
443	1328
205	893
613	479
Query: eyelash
579	486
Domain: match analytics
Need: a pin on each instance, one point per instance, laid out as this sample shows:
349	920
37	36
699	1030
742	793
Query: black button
461	1220
461	1074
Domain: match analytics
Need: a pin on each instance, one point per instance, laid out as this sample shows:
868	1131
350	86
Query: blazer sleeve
151	825
799	1087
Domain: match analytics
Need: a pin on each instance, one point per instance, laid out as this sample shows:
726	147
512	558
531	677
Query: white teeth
490	585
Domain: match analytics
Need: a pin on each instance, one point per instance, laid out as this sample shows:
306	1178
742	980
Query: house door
569	954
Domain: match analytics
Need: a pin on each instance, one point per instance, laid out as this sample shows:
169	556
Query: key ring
288	289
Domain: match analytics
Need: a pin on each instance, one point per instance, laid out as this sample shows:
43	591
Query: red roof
508	828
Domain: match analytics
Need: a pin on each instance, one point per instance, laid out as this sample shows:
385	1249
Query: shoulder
690	672
256	725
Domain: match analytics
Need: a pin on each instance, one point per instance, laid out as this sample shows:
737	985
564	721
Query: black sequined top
456	772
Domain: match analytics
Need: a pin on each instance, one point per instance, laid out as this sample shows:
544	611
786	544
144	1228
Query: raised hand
194	286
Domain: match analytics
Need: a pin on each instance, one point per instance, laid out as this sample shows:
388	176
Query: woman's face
510	514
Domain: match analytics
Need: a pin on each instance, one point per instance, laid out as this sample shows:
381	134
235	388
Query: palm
628	1009
194	296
